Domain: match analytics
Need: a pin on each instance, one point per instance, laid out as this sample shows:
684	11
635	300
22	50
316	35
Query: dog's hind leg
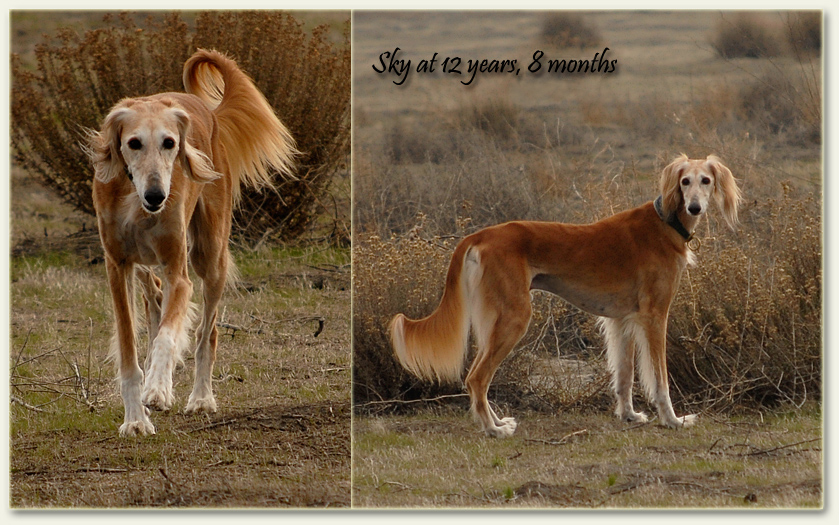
621	336
172	336
213	271
153	302
508	328
500	315
124	351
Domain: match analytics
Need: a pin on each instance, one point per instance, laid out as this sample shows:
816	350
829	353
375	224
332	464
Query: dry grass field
435	160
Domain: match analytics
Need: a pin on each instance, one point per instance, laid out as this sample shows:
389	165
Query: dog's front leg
121	279
172	337
655	378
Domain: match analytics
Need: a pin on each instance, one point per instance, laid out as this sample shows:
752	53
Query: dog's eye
706	180
135	144
685	182
168	143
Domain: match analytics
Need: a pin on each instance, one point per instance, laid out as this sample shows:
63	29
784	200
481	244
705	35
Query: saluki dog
624	269
167	174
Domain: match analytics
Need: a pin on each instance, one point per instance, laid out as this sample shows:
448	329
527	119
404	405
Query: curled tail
254	138
435	347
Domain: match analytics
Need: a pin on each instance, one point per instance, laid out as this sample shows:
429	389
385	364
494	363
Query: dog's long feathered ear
726	192
671	192
196	164
103	146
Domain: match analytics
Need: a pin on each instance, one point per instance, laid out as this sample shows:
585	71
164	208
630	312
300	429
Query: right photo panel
587	259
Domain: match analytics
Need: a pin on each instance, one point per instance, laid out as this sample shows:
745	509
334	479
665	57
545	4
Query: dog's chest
145	247
141	241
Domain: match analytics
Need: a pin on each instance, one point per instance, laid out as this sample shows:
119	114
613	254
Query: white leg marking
137	421
157	393
623	345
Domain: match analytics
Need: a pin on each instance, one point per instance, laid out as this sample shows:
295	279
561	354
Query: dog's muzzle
694	208
153	199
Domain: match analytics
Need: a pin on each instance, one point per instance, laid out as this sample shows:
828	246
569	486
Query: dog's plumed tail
435	347
257	143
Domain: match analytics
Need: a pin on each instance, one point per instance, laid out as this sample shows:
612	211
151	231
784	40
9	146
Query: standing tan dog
625	269
168	170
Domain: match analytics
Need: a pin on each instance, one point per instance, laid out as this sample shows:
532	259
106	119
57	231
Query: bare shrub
778	104
745	35
391	276
804	31
496	117
417	142
444	137
569	29
492	190
746	328
778	107
304	75
306	78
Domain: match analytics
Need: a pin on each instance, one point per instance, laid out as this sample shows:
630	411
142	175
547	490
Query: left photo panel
180	259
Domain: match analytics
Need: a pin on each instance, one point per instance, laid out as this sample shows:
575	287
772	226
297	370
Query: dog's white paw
199	405
158	398
506	428
688	420
634	417
680	422
143	427
511	423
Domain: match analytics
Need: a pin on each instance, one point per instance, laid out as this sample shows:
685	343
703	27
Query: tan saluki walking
168	170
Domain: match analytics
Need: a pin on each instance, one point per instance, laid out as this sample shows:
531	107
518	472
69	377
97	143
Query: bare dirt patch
274	456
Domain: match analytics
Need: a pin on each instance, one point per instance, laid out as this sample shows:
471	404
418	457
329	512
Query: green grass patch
27	265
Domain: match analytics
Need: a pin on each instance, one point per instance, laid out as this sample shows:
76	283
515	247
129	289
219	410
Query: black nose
695	209
154	198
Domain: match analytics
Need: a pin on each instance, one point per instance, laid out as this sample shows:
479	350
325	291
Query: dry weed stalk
80	385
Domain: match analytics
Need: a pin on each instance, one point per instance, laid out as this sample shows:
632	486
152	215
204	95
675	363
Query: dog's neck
680	221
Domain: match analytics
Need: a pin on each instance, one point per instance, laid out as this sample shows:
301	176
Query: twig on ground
221	423
335	268
236	328
564	440
637	425
300	319
410	401
26	405
35	358
102	469
401	486
781	447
